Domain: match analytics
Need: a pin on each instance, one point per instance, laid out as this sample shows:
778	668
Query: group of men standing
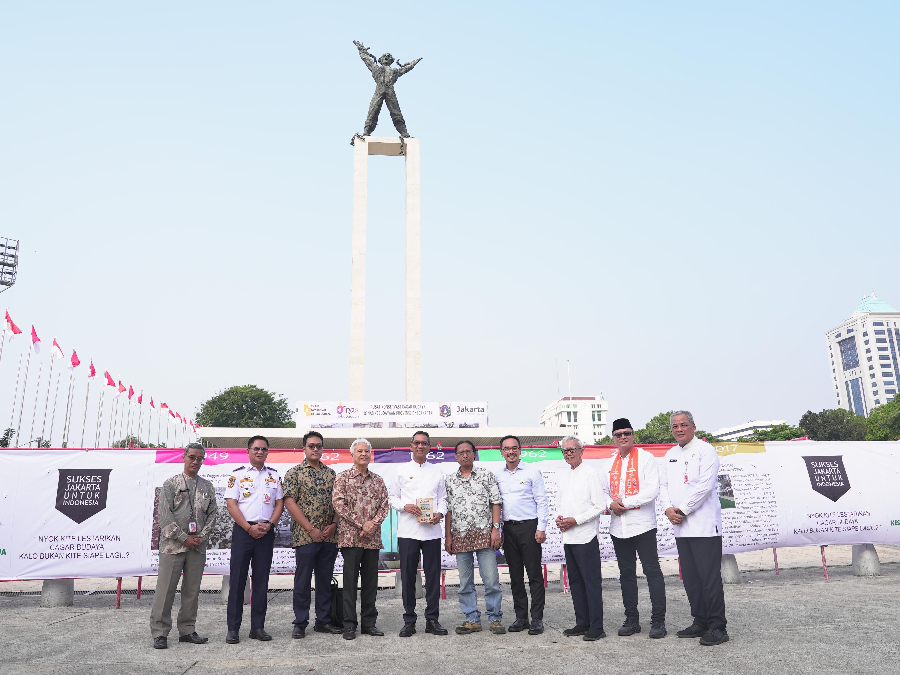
481	510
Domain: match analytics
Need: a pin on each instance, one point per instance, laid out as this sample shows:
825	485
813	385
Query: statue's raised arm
406	67
364	54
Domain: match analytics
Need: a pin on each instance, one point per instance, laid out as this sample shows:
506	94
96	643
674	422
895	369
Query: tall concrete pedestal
391	147
731	574
226	588
865	561
58	593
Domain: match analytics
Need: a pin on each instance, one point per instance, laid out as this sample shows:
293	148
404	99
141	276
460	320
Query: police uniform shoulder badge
231	480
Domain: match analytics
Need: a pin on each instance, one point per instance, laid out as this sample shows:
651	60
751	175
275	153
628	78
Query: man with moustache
308	498
688	491
525	516
187	515
630	487
361	503
417	479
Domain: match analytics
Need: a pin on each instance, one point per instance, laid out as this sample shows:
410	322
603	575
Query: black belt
521	522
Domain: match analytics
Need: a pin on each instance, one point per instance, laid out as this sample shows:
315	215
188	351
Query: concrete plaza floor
794	623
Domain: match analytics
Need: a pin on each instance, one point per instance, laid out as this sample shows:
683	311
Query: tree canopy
883	423
659	430
246	406
836	424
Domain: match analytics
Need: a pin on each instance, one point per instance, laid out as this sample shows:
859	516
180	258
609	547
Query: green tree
606	440
834	425
657	430
780	432
883	423
246	406
132	440
7	437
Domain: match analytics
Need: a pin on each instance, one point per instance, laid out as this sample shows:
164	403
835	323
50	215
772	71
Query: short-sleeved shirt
312	489
256	491
470	501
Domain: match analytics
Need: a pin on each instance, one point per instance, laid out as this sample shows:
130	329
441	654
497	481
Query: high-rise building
746	429
863	356
582	416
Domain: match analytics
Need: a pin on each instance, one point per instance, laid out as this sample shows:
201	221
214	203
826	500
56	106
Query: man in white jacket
630	487
688	491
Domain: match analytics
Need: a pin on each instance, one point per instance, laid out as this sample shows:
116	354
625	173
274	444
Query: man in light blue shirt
525	518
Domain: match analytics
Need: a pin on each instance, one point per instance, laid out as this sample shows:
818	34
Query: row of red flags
57	353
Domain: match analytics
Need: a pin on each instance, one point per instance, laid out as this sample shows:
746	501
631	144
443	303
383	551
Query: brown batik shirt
470	502
311	489
357	499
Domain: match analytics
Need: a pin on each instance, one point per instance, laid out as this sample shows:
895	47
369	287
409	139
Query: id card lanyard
192	526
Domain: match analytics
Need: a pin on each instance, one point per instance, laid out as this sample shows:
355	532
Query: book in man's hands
426	506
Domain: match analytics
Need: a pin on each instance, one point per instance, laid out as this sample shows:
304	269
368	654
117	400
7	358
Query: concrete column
358	271
730	572
413	273
865	561
226	588
398	586
58	593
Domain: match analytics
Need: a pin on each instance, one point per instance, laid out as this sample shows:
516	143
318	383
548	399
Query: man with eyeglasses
688	491
187	515
307	497
255	501
630	488
525	515
414	480
472	529
579	504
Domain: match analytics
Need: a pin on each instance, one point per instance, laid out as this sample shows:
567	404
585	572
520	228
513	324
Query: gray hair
572	438
681	412
193	446
360	440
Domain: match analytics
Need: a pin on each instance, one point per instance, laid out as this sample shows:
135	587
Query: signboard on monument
391	415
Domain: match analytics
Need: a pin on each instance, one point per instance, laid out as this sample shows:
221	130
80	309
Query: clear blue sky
680	198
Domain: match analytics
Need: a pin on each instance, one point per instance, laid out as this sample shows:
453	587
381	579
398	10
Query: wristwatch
496	526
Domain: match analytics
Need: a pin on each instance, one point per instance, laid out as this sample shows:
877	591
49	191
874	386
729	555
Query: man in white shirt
415	480
687	488
630	488
579	504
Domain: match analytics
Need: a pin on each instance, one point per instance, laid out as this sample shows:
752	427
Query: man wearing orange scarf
630	487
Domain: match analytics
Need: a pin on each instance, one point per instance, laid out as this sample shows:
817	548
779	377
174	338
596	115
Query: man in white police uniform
255	500
687	490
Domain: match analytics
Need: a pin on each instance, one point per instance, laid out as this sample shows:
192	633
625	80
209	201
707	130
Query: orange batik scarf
632	484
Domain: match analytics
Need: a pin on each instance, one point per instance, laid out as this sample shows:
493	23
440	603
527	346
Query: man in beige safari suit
187	515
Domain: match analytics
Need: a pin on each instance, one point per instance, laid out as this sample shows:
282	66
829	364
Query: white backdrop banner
391	414
76	513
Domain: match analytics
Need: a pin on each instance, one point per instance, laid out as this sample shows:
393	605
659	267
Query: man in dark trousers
255	501
687	490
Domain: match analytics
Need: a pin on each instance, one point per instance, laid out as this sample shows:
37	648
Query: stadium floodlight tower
9	262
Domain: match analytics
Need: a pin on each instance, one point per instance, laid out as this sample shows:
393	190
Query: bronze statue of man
384	77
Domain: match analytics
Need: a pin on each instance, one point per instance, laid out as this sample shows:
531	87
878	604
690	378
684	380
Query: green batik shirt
312	490
178	495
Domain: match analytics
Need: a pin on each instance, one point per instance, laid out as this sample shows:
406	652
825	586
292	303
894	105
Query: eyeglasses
256	449
314	446
510	447
422	444
623	434
464	452
570	451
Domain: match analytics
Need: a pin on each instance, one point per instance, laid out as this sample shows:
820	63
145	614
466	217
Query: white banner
75	513
391	414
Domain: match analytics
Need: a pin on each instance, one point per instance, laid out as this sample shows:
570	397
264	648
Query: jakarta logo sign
828	476
81	493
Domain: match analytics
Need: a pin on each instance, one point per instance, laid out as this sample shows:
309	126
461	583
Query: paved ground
793	623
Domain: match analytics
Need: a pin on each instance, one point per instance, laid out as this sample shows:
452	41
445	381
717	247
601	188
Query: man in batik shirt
473	529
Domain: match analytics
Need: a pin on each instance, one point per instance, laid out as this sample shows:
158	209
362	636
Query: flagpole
2	343
68	417
110	431
84	421
158	413
99	417
140	420
47	401
128	425
24	389
37	391
12	417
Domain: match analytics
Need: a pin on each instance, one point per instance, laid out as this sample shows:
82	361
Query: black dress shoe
193	638
329	628
518	625
408	630
259	634
714	637
435	628
593	634
576	631
692	631
232	637
630	627
298	632
161	642
349	634
536	628
372	630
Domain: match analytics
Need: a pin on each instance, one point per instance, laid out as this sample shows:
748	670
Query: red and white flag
109	381
141	398
121	388
151	402
130	392
35	341
11	327
93	370
56	351
163	406
74	362
172	417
